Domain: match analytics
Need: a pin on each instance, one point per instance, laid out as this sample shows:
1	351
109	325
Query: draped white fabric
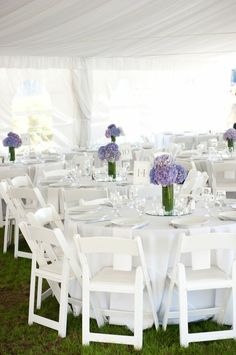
147	96
113	28
144	96
59	114
147	65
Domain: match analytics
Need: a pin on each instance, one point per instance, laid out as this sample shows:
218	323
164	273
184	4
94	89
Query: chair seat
52	270
206	279
103	280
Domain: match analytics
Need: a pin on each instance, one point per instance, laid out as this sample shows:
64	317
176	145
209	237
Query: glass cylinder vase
230	145
12	155
168	199
112	169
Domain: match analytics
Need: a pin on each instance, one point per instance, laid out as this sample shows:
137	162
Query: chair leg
32	293
16	239
85	310
168	304
39	293
138	310
63	308
183	307
226	296
6	231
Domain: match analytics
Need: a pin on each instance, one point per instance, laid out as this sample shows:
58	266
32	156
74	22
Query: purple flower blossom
230	134
182	174
113	131
12	140
109	152
165	172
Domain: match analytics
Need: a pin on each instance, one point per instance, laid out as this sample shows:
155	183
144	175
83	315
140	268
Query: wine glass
140	204
116	200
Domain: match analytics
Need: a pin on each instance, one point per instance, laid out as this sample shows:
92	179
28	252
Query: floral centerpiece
230	136
111	154
112	132
166	172
12	141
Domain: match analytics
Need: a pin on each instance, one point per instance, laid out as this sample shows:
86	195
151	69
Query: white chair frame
57	272
138	279
187	279
17	195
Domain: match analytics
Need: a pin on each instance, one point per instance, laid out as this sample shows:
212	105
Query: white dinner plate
91	217
129	222
228	215
79	209
188	221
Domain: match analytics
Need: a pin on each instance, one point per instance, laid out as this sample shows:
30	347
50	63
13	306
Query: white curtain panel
146	96
52	106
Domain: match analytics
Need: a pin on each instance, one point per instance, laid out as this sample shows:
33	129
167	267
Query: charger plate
227	215
129	222
188	221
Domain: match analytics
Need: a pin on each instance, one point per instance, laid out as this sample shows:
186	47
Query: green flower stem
230	144
168	198
113	139
112	169
12	155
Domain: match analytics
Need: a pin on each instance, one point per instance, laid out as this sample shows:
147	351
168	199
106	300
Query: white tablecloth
158	239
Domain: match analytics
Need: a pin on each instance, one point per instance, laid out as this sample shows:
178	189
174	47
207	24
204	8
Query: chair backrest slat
209	241
109	245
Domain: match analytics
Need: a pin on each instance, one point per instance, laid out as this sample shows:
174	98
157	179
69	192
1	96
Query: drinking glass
140	204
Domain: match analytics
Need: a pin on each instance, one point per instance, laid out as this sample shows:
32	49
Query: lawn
16	337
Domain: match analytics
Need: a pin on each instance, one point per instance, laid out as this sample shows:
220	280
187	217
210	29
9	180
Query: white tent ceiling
117	28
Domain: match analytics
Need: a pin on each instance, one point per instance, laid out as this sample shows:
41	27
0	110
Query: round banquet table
159	241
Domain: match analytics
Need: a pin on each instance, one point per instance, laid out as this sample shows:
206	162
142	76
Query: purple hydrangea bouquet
112	132
166	172
111	154
12	141
230	136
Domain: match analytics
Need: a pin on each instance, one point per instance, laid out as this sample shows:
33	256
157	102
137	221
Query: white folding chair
47	265
49	218
71	197
223	176
110	280
203	274
24	199
9	216
16	181
193	184
21	181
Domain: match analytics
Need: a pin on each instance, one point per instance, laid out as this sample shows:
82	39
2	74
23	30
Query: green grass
16	337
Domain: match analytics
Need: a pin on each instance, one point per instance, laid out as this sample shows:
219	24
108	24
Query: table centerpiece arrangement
110	152
166	172
12	141
230	136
